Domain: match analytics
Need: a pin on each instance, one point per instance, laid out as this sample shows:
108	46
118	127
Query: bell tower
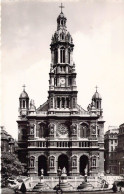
62	76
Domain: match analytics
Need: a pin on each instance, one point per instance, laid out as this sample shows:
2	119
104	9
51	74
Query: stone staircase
65	186
41	186
85	186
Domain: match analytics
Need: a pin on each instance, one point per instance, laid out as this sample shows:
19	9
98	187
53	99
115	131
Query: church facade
60	133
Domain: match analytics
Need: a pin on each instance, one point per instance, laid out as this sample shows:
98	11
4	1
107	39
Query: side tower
23	127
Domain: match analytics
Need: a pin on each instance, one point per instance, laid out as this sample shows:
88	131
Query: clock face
62	80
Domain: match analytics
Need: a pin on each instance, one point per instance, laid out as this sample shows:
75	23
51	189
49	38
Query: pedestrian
23	188
114	188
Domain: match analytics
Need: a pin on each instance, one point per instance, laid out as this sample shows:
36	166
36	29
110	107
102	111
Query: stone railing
63	144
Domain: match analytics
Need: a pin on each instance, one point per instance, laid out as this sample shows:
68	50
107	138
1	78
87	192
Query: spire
24	86
61	6
96	88
24	93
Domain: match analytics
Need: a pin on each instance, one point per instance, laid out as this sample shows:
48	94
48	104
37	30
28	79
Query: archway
63	162
84	165
42	164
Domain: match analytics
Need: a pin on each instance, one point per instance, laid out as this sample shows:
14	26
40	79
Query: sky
97	29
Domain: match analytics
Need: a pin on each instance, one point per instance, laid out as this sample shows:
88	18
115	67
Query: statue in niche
52	162
52	130
74	129
89	107
32	104
32	130
32	162
74	162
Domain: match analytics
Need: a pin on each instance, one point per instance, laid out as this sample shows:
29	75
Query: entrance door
42	164
63	162
84	165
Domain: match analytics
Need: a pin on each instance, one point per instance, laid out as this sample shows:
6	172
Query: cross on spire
61	6
24	87
96	88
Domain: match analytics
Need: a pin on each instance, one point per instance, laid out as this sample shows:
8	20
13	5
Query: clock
62	80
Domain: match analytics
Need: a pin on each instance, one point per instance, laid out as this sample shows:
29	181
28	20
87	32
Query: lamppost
41	177
59	174
119	168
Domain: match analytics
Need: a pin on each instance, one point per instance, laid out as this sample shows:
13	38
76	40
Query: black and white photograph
62	96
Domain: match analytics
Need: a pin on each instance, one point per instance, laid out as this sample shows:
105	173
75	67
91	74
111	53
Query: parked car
118	186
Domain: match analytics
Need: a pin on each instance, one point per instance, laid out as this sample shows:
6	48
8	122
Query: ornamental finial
61	6
96	88
24	87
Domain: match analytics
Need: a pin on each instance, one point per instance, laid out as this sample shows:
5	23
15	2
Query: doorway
84	165
42	164
63	162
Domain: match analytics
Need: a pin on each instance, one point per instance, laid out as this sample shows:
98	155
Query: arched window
58	102
62	55
97	104
74	103
56	56
23	103
67	102
68	55
70	81
62	36
63	102
51	102
55	81
83	131
41	132
62	22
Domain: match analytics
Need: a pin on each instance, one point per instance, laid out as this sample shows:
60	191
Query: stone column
55	102
70	102
71	58
36	165
60	102
58	55
21	104
52	57
66	55
78	165
66	81
65	103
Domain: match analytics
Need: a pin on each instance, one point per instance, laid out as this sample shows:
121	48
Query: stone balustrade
63	144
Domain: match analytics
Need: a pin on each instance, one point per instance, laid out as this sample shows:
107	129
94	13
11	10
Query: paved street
10	191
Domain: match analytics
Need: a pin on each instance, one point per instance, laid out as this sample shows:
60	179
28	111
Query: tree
10	166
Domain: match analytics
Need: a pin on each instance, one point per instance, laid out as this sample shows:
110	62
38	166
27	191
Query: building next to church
60	133
8	144
120	150
111	143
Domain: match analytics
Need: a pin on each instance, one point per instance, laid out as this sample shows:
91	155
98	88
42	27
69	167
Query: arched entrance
42	164
84	165
63	162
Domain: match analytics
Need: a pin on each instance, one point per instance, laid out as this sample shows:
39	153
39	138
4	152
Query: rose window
62	129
